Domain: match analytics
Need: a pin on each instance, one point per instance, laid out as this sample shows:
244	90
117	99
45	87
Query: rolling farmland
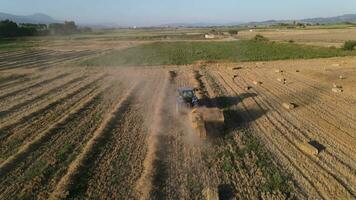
69	131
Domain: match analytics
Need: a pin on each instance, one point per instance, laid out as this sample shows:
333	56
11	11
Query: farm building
209	36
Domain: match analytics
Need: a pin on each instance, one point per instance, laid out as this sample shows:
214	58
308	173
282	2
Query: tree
67	28
233	32
260	38
85	30
11	29
8	28
70	27
39	27
349	45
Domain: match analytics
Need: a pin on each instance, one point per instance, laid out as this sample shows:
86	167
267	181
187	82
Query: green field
164	53
14	44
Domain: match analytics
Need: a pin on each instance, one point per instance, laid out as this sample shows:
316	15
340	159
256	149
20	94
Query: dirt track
74	132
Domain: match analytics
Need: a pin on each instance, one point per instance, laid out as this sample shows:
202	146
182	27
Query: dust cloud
166	125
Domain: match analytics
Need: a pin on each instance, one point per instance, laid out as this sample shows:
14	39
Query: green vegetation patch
164	53
349	45
260	38
14	44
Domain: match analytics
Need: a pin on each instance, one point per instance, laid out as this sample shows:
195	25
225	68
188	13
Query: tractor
201	117
186	98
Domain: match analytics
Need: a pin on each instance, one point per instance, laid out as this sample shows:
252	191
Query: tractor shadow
239	120
233	120
222	102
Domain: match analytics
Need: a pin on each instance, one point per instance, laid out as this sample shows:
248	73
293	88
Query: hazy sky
154	12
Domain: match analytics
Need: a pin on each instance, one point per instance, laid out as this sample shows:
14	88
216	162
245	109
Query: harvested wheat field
322	119
177	100
330	37
69	131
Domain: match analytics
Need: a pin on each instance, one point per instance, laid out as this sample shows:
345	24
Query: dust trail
144	184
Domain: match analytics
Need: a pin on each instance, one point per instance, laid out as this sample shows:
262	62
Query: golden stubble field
69	131
318	37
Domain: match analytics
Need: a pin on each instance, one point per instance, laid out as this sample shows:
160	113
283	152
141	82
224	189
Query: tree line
12	29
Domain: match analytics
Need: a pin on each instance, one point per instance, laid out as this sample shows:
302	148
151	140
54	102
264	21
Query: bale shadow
225	192
317	145
234	119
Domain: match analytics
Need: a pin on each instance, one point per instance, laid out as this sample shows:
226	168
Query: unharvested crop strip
20	56
10	79
19	84
38	98
4	54
24	130
34	61
76	166
49	104
27	64
76	131
38	102
25	150
32	55
34	86
116	162
61	61
15	82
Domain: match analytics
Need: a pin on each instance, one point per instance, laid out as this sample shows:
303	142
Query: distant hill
327	20
201	24
190	25
37	18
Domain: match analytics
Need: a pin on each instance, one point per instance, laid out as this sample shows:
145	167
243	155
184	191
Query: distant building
209	36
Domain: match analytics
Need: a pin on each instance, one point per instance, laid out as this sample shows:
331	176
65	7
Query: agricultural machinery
201	117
